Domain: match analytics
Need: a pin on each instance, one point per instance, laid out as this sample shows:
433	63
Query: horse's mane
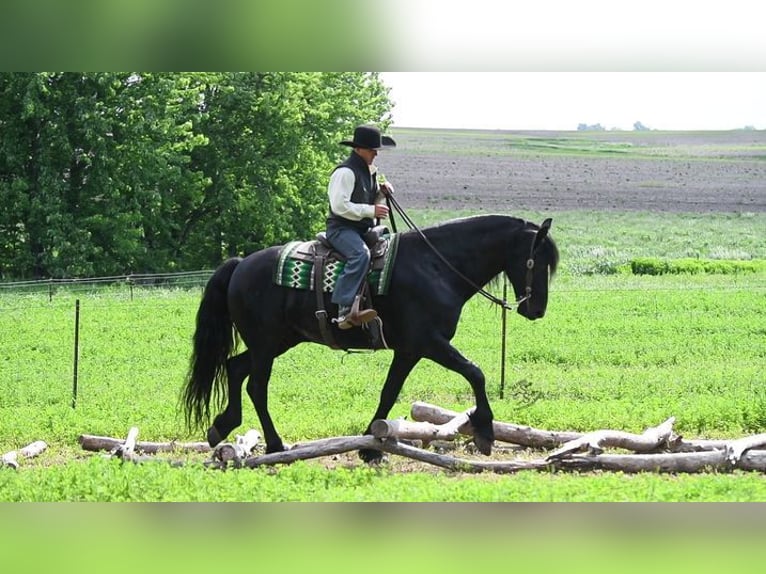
452	226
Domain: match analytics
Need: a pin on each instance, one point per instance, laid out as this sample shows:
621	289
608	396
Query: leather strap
321	312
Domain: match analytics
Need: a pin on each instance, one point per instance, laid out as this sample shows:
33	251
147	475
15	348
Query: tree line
114	173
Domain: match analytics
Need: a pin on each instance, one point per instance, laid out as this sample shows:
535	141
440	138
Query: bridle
536	242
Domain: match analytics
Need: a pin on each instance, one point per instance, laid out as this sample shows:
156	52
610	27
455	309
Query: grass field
616	350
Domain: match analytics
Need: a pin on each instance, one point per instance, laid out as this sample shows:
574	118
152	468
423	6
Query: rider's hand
381	210
386	189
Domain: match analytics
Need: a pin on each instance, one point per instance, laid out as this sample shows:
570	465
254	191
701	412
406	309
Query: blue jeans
349	243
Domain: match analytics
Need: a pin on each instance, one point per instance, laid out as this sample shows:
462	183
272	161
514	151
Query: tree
273	138
85	157
590	128
109	173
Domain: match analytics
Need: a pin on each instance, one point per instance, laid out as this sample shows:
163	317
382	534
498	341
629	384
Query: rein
483	292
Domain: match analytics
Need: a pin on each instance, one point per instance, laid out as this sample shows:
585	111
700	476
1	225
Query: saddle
374	239
315	265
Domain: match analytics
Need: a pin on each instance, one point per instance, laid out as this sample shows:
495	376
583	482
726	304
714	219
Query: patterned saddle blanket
295	264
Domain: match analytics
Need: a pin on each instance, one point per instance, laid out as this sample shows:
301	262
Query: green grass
102	480
687	265
615	350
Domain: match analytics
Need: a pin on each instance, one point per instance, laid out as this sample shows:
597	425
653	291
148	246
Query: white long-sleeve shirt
339	190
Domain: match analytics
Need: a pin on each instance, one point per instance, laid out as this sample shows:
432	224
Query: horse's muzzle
530	313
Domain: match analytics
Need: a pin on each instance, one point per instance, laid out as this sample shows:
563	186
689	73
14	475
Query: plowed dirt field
642	171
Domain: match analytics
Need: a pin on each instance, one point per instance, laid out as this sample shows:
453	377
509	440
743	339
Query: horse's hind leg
237	369
257	389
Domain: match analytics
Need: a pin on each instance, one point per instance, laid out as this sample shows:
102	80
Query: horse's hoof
371	456
275	448
483	444
213	436
483	433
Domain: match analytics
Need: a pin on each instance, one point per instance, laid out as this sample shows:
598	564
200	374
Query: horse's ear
542	233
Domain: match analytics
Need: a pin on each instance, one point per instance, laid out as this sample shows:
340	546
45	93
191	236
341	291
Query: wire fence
95	330
192	279
50	287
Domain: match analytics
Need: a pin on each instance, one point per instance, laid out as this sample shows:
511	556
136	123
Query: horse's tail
213	341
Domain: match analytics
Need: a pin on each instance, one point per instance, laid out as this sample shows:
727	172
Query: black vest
365	191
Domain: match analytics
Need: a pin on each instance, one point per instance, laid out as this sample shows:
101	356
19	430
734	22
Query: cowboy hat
369	137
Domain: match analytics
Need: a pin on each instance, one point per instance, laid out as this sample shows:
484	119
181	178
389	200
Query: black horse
436	271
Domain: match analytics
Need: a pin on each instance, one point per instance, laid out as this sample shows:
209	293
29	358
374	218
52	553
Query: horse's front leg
401	366
237	368
482	417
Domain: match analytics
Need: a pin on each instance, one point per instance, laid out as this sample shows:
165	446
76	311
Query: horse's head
531	269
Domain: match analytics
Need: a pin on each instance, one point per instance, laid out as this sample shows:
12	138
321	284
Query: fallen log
10	459
595	442
339	445
506	432
98	443
30	451
126	450
313	449
224	453
686	462
458	464
679	444
33	449
419	430
234	453
531	437
735	449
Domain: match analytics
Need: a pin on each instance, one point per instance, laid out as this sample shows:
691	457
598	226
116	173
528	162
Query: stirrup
355	317
358	320
364	317
361	316
344	321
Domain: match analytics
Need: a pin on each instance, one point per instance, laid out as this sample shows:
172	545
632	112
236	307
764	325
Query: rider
355	201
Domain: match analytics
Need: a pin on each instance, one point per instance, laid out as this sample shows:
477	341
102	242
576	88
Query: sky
564	100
